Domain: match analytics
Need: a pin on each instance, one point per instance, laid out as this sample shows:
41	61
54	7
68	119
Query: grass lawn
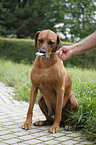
84	87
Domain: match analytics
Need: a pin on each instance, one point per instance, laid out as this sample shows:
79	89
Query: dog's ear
58	42
35	38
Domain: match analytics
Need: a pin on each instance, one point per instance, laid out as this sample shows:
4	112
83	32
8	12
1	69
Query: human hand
64	52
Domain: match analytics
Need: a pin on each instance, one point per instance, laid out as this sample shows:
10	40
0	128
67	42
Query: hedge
18	50
22	50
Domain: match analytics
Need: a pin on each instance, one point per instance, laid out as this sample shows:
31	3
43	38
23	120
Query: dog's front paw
54	129
26	125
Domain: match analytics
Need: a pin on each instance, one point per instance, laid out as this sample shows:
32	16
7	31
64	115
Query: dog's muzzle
43	53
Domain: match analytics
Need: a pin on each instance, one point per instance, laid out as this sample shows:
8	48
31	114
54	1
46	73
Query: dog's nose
42	51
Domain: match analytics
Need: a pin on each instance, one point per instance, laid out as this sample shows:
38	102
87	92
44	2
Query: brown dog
54	82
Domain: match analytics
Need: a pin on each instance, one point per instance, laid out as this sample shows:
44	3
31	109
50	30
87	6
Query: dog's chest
43	78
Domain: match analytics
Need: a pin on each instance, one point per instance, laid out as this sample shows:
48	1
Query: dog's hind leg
44	109
72	105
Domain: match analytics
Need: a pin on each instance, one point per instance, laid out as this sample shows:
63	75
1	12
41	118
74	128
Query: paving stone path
12	116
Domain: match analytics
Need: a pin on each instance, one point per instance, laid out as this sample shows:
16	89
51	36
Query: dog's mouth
44	53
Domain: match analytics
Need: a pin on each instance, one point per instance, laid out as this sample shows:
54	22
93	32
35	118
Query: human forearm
87	44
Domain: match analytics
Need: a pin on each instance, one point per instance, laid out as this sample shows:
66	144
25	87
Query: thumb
61	49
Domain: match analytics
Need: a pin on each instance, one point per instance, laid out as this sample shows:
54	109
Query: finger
64	49
60	49
57	52
61	53
63	57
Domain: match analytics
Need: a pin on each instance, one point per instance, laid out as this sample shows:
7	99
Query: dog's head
47	41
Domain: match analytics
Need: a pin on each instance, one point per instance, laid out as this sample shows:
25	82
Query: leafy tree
36	15
23	18
7	17
79	18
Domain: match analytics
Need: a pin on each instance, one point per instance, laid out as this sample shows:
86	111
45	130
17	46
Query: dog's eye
51	42
41	40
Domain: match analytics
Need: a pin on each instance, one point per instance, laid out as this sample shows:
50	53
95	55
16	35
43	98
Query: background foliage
23	18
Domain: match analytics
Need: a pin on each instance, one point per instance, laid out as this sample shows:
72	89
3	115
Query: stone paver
13	115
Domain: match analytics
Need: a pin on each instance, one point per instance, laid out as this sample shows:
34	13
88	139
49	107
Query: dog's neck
43	62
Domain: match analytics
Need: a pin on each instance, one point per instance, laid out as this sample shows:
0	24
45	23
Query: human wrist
73	49
77	48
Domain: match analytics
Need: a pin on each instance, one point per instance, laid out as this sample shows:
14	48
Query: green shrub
18	50
22	50
84	60
84	86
